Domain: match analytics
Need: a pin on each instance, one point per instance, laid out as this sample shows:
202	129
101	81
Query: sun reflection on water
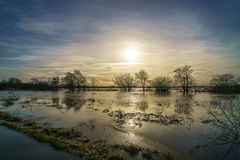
131	123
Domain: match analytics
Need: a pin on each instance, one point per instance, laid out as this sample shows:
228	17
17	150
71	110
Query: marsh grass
8	101
225	114
64	139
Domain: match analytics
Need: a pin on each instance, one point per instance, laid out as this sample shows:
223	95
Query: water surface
181	125
18	146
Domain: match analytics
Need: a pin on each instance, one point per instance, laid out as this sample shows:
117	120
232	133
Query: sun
131	54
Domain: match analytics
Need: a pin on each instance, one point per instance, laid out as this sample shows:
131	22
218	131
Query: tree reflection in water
125	100
55	101
74	102
183	105
225	112
142	105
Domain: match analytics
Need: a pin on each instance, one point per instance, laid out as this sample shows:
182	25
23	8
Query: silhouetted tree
69	80
162	84
75	79
225	83
142	77
79	78
3	81
238	80
42	85
15	83
36	84
12	83
54	82
93	82
183	77
34	80
14	80
124	81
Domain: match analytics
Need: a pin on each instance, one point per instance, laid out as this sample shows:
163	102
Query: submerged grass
7	117
63	139
57	141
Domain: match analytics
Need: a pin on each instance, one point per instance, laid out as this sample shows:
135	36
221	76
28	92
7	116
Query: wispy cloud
24	58
37	26
46	38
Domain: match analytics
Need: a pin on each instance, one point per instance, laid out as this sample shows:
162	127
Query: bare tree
238	80
225	115
225	83
162	84
14	80
69	80
124	81
226	79
75	79
39	84
80	79
183	77
34	80
142	77
12	83
54	82
93	82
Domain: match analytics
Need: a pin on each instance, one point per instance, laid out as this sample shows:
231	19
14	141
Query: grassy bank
72	141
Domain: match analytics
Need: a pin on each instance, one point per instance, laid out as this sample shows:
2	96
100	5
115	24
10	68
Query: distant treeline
183	80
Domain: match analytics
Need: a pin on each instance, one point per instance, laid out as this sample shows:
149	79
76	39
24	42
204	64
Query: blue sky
41	38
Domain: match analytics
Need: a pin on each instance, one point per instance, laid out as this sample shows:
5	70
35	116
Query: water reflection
142	105
136	112
126	100
7	102
74	103
183	105
10	100
225	113
55	102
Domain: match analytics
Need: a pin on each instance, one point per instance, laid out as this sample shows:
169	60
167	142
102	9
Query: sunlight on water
180	124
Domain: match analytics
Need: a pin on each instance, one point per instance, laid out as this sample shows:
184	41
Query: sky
43	38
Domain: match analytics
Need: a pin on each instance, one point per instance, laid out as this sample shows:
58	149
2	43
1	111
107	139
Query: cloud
37	26
24	58
61	36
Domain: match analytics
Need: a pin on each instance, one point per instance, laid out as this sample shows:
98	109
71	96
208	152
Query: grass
7	117
55	141
57	138
6	102
63	139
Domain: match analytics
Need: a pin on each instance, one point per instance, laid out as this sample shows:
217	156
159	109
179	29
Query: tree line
71	81
183	78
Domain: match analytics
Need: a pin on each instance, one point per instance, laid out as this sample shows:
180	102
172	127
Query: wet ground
188	127
18	146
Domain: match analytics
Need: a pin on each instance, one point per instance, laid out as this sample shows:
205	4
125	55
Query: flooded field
197	126
18	146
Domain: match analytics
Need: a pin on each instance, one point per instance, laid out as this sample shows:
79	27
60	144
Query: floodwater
198	126
14	146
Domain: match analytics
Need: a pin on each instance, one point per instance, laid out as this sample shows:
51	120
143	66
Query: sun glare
131	54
